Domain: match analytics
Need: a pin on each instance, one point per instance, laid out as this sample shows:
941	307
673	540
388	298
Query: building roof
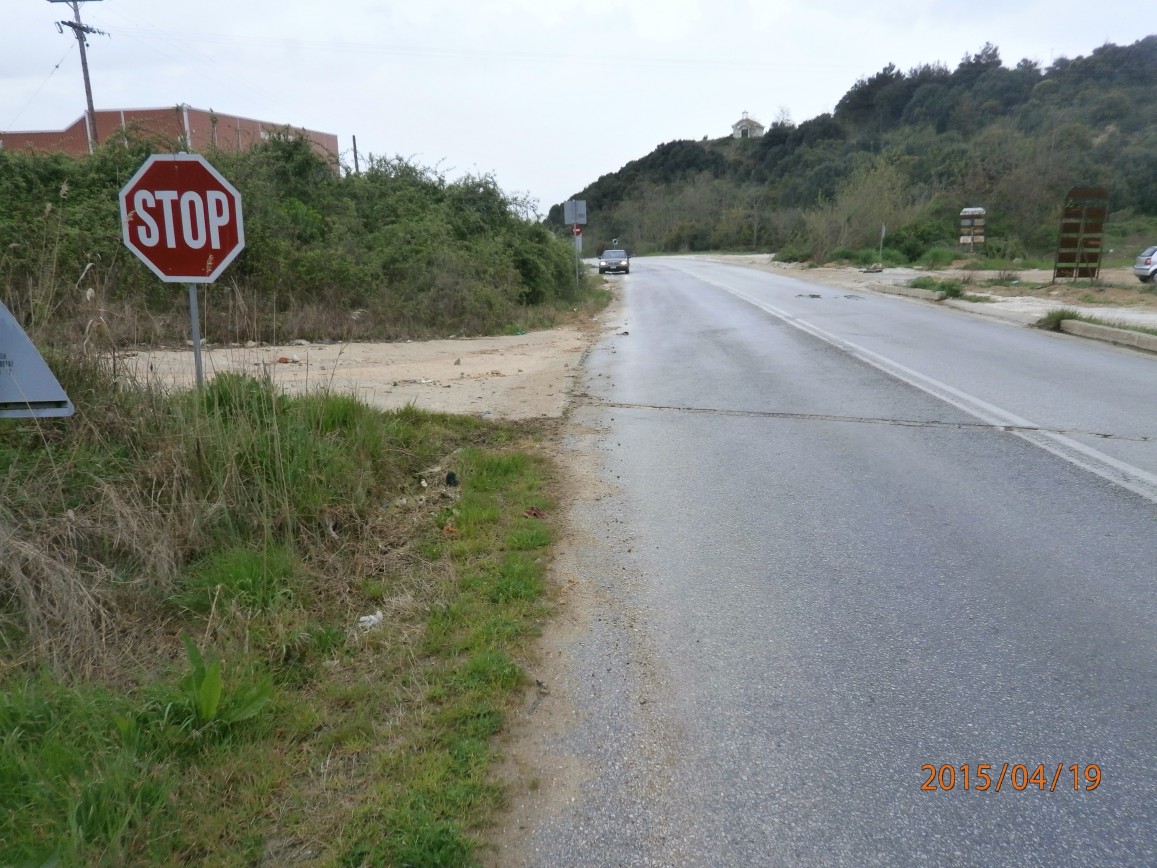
748	125
746	121
193	128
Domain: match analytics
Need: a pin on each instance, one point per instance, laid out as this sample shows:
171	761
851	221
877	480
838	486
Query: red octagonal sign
182	218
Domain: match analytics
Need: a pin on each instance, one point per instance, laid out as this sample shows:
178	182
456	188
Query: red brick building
180	126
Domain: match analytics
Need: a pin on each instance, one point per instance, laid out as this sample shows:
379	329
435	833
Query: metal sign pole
195	315
578	257
574	211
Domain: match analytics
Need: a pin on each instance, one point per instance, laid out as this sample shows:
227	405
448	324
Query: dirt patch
523	376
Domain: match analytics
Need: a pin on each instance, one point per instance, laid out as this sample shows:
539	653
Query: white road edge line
1118	472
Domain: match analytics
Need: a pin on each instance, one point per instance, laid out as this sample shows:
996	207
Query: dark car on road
614	260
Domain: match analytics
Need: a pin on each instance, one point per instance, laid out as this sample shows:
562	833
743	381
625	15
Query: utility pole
82	30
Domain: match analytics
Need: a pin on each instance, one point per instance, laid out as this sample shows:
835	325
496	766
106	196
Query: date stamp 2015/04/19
986	777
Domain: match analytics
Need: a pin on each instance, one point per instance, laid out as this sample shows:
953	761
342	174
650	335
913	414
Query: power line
180	45
36	93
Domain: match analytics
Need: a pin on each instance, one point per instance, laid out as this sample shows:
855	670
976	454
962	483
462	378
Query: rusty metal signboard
1082	231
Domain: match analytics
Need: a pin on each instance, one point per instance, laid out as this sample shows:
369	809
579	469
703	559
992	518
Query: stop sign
182	218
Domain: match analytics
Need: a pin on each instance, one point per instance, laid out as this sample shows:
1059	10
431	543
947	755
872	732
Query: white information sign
574	211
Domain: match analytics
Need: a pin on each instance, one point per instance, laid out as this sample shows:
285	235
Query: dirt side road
517	377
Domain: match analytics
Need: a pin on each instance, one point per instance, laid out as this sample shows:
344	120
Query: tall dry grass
106	515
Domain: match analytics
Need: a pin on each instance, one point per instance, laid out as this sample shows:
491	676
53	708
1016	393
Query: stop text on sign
200	218
182	218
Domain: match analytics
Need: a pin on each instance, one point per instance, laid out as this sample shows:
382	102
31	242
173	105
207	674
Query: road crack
862	420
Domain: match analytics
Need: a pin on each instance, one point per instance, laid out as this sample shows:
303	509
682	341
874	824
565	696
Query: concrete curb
910	291
1124	337
994	311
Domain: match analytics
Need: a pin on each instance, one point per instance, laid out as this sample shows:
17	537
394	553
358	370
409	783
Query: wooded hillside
909	150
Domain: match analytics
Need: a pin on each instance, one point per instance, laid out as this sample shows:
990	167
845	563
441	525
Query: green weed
1053	319
205	685
258	579
951	287
72	790
937	257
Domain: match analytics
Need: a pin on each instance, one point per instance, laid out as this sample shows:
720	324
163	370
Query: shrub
794	252
937	257
1004	248
1053	319
687	236
914	240
421	256
894	257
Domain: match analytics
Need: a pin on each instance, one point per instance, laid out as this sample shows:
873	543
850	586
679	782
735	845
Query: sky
544	95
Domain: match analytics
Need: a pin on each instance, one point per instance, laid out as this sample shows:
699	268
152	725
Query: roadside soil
517	377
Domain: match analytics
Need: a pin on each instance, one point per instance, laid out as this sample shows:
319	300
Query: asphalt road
847	538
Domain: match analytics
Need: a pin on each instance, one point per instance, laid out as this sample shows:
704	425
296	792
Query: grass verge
1053	319
239	627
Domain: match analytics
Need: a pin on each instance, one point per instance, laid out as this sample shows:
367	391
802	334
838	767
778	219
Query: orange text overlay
993	777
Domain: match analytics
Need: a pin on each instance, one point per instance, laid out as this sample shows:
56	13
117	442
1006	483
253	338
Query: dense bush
938	257
395	251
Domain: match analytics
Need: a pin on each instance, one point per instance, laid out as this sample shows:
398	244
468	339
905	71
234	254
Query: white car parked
1146	265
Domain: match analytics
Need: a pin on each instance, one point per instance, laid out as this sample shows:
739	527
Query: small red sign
182	218
578	230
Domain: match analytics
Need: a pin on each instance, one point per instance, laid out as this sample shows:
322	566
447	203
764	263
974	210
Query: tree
863	106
